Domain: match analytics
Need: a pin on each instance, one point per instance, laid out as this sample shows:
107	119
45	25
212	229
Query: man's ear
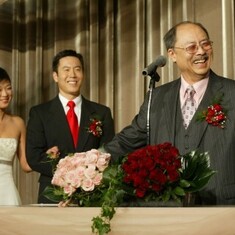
55	76
171	54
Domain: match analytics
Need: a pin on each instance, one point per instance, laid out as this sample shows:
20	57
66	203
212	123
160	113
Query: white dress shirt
77	108
199	87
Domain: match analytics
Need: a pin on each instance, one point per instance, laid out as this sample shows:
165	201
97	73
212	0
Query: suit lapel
84	124
58	119
214	88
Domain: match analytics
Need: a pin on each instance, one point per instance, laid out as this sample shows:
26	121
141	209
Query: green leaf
108	211
201	183
179	191
166	196
197	170
100	226
54	193
184	183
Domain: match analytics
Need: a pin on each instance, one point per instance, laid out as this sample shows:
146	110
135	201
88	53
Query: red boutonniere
215	115
95	127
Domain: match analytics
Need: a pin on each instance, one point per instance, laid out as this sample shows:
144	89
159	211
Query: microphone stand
154	78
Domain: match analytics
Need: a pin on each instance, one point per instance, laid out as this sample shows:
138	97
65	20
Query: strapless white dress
9	194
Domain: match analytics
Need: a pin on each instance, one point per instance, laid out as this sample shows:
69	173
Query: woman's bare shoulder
17	120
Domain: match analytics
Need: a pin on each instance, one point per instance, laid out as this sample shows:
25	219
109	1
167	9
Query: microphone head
161	61
150	69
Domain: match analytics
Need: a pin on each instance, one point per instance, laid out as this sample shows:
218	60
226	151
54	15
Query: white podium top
42	220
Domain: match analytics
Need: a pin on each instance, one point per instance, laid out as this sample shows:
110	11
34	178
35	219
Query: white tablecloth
38	220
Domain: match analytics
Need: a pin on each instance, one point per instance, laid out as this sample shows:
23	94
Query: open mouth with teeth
201	60
72	82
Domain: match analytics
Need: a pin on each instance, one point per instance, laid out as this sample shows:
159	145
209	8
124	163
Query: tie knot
71	104
190	91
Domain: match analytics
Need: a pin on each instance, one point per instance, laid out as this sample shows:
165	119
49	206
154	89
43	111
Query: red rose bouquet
150	170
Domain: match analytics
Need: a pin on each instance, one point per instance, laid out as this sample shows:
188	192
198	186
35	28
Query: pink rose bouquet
78	175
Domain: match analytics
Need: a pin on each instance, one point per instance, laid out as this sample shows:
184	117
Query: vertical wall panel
227	40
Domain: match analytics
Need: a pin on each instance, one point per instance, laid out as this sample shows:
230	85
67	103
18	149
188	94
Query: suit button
186	143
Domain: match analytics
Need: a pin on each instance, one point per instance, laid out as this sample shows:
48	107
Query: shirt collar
65	101
199	87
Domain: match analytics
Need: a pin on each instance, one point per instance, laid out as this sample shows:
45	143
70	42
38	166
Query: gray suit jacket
220	143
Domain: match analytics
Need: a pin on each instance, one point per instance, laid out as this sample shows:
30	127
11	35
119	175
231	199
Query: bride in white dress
12	144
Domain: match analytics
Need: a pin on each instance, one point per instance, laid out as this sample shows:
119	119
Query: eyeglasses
193	48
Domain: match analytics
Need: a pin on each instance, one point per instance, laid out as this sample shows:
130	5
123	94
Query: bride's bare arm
21	153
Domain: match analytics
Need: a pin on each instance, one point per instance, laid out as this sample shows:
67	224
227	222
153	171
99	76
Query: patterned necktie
73	122
189	107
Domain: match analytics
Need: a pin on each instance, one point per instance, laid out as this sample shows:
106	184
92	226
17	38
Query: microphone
151	68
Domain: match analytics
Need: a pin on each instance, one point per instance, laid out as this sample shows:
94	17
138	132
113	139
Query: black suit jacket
48	127
220	143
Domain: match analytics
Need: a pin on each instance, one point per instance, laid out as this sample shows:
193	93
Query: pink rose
90	171
103	162
69	190
87	185
98	178
92	156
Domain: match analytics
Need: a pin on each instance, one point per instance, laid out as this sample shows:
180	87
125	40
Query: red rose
95	127
151	168
217	107
173	175
140	193
156	187
214	115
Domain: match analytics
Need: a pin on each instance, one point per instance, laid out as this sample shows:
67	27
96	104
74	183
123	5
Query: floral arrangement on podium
155	173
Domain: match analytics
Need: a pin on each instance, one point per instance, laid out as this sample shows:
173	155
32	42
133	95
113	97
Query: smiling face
69	77
5	94
193	66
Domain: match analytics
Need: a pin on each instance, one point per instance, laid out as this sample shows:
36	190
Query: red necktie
73	122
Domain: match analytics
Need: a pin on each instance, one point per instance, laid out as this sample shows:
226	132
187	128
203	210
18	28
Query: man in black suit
48	126
189	46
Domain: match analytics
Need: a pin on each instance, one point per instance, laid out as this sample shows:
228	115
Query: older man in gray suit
189	46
